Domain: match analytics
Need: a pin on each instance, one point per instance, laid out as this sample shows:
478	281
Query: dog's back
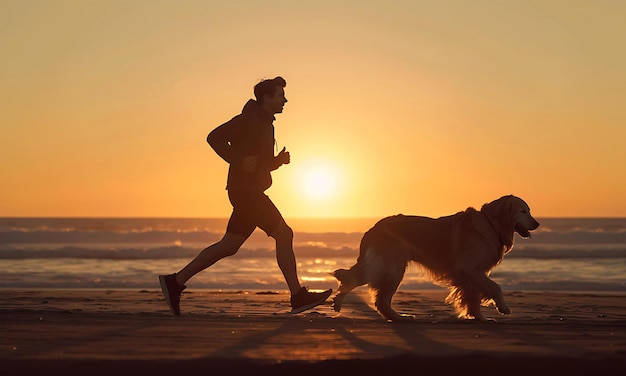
394	239
425	240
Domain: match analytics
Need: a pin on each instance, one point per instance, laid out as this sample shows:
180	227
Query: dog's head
512	213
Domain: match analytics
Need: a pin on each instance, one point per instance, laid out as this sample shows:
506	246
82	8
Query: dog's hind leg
349	279
383	291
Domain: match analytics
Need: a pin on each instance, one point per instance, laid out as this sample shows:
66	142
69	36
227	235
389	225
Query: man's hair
268	87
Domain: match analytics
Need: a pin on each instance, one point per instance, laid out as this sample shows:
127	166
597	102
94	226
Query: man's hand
284	157
249	163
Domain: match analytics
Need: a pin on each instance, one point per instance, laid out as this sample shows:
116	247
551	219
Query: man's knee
230	243
282	232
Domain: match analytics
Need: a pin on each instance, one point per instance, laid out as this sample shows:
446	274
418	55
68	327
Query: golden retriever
458	251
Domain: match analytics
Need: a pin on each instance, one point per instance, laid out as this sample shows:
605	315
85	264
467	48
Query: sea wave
575	254
177	251
209	237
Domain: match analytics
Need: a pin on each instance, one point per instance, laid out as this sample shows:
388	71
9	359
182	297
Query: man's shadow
356	332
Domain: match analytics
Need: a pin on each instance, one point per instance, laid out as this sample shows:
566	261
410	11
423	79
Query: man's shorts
252	209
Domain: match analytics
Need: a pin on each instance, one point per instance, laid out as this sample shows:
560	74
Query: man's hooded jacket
250	133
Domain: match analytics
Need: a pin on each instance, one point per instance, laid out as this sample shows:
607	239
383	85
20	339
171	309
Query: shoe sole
166	293
312	305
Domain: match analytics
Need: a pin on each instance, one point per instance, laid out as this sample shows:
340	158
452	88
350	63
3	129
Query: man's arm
219	139
282	158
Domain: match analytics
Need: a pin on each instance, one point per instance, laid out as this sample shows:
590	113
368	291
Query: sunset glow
319	180
408	106
319	184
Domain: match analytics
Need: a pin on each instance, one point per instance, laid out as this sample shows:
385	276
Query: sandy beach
98	332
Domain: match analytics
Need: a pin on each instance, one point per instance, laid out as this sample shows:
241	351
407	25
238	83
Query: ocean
564	254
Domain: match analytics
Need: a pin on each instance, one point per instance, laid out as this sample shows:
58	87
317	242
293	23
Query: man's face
275	104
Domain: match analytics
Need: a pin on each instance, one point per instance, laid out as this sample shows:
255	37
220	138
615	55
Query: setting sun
319	180
319	184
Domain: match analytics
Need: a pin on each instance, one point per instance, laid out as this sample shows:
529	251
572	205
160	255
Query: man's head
270	94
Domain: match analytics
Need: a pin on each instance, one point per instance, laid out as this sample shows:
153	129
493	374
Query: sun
319	183
319	180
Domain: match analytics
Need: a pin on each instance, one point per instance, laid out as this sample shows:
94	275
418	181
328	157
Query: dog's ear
511	206
500	212
497	211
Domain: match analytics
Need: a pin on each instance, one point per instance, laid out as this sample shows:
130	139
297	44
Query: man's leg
228	246
301	298
283	234
173	285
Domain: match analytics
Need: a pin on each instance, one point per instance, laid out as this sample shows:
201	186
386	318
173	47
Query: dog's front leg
501	306
493	291
478	315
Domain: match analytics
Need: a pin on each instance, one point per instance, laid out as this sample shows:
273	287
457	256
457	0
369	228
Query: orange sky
415	107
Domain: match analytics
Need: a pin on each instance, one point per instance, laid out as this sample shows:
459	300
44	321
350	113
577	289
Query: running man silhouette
246	142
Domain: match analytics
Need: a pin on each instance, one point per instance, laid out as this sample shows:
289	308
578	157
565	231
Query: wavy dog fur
458	251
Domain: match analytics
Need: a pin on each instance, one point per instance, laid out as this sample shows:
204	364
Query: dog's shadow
360	337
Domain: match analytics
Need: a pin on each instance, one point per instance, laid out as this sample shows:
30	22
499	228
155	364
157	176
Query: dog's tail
349	279
365	243
353	276
345	276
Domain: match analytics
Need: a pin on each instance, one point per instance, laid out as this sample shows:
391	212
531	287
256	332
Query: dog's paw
401	318
482	318
337	303
501	306
503	309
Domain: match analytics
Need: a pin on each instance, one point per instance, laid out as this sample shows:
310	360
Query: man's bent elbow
210	138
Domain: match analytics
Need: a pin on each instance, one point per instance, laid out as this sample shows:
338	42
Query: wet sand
103	332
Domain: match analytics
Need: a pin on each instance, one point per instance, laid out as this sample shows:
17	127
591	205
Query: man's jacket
250	133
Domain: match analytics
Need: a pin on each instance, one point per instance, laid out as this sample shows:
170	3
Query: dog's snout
535	224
